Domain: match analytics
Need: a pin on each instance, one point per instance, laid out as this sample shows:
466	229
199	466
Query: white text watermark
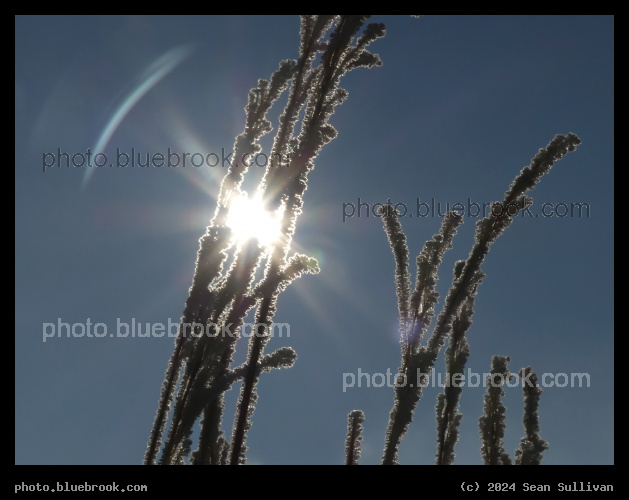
390	378
139	329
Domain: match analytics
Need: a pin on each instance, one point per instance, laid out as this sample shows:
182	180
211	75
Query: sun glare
248	218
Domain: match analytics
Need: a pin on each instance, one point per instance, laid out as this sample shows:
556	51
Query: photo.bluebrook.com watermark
170	328
395	379
423	208
168	159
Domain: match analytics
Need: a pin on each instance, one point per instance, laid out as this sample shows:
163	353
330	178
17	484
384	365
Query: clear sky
459	106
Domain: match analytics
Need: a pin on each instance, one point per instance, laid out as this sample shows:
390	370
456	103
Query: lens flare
151	77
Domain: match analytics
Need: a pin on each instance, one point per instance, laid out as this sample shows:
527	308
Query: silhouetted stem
257	345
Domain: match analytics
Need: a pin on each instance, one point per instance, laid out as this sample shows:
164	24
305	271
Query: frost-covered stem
467	278
421	305
492	424
532	445
198	371
210	258
207	374
489	228
354	437
208	452
168	389
258	340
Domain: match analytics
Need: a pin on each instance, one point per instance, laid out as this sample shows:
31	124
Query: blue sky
459	106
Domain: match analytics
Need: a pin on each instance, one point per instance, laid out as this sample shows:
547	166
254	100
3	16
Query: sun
248	218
